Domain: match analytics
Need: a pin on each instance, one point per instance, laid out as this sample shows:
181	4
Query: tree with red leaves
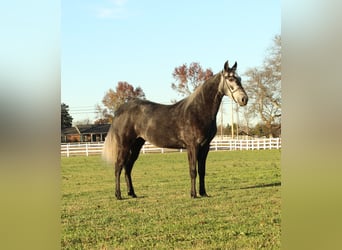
114	99
188	78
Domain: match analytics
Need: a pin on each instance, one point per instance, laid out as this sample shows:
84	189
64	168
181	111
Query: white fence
71	149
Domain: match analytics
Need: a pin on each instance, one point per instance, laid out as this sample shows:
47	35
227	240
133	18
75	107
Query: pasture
242	212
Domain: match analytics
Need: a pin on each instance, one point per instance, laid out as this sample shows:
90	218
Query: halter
231	91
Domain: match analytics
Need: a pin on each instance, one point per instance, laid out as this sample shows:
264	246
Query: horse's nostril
244	100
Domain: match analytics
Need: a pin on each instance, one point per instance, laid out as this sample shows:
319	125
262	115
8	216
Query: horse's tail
109	152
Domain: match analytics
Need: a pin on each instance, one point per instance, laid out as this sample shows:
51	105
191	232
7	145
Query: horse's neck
207	98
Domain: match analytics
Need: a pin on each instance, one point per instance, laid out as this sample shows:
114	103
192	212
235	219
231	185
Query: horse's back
133	116
154	122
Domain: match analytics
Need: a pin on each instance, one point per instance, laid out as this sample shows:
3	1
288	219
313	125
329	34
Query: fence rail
72	149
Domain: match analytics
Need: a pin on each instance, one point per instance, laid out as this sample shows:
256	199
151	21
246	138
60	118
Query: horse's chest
200	134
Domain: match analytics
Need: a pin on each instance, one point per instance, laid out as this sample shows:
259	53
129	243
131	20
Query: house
70	135
85	133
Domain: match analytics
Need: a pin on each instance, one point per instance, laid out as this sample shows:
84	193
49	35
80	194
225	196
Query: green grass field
242	212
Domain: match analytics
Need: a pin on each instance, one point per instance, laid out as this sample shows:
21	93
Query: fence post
87	149
68	150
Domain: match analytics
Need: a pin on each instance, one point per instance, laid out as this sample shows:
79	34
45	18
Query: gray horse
189	124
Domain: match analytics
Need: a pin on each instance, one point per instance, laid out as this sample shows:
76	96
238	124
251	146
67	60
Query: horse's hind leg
135	150
117	172
119	164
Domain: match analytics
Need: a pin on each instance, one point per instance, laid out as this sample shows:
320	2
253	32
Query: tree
264	87
260	130
114	99
66	119
189	78
226	130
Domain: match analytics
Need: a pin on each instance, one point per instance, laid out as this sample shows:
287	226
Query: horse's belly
164	140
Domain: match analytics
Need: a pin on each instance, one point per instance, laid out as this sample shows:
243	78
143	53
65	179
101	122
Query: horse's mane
202	90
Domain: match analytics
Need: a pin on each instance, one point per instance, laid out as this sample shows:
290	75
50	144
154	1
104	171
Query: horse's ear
226	66
234	66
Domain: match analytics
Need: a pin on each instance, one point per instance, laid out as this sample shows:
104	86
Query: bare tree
264	87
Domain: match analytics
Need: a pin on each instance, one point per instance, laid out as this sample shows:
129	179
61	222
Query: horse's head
230	85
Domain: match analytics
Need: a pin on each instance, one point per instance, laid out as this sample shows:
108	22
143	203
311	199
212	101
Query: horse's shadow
126	198
274	184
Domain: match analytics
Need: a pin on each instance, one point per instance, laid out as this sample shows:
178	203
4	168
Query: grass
242	212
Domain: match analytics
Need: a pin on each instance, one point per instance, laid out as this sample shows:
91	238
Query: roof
69	131
94	128
86	129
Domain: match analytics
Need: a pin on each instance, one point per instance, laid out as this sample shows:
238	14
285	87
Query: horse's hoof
205	195
118	196
133	195
194	196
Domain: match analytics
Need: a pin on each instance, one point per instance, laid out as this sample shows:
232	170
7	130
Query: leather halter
231	91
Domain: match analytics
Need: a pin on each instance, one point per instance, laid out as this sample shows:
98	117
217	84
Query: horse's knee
193	173
201	171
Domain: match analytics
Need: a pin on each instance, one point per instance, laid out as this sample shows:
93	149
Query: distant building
85	133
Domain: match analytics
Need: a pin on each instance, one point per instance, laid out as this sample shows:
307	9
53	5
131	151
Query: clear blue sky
141	42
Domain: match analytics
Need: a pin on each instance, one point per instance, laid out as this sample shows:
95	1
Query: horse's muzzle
244	100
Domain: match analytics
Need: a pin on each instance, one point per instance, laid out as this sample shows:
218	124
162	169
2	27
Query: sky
141	42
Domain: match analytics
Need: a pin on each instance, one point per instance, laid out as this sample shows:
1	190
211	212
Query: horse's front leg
128	168
202	157
130	189
192	158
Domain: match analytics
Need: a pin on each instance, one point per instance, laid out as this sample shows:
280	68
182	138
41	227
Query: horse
188	124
